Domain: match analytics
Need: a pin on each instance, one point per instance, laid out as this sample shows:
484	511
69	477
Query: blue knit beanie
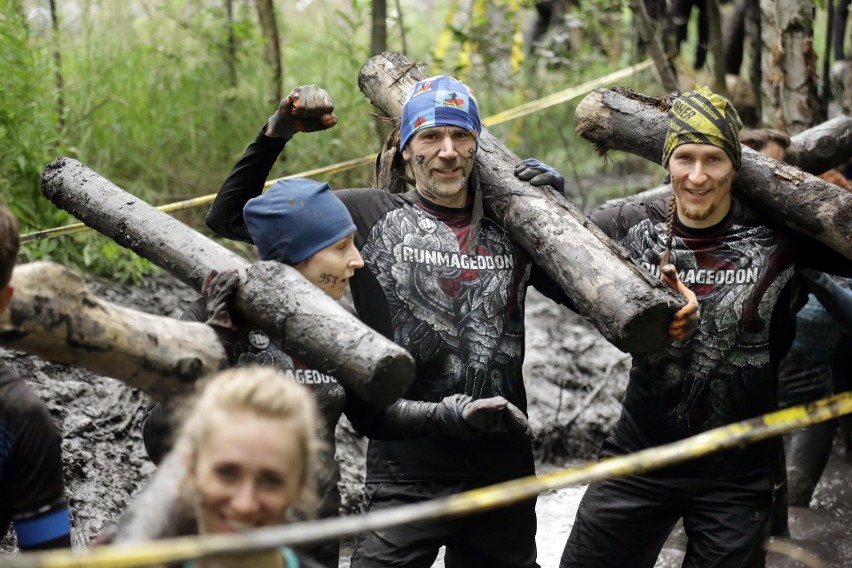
439	101
296	218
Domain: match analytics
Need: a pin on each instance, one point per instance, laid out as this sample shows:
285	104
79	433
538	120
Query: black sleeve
541	281
616	221
33	488
836	299
246	180
811	253
366	418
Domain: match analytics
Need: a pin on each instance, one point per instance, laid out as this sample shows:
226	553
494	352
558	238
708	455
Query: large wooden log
56	316
311	326
621	119
825	146
630	309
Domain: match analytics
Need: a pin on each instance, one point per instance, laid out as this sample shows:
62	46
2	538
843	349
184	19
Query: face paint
331	268
702	175
441	158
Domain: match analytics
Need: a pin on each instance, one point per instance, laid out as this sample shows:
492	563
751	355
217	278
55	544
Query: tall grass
149	102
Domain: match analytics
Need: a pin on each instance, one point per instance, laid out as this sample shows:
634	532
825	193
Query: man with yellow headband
741	266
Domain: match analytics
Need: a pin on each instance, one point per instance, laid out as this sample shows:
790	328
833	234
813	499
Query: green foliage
151	102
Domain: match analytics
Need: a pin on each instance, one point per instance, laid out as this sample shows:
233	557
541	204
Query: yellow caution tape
511	114
502	494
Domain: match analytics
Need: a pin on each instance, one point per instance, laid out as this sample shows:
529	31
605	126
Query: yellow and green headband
703	117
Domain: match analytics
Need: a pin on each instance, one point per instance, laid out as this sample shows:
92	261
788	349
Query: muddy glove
458	416
218	289
306	109
686	319
538	173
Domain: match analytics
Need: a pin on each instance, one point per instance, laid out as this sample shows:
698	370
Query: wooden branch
825	146
631	309
56	316
311	326
620	119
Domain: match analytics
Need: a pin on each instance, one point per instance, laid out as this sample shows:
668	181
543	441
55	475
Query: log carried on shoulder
312	327
621	119
630	309
825	146
56	316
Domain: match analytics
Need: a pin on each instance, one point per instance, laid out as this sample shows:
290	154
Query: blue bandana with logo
439	101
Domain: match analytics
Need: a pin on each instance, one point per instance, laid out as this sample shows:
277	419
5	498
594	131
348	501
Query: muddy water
574	381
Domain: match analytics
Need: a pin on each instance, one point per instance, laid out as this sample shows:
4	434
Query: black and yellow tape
173	550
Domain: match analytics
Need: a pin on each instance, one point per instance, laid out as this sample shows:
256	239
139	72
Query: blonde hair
262	391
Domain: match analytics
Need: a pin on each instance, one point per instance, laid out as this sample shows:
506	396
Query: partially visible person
32	488
301	223
805	372
249	443
741	266
772	143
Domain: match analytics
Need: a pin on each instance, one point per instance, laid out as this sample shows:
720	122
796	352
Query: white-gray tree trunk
790	98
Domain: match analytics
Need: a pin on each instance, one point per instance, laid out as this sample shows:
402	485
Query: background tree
269	25
790	95
379	29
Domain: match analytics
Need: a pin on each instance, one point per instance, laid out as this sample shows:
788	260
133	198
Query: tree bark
620	119
714	17
825	146
54	315
57	67
309	324
789	65
379	29
648	34
631	309
401	23
272	51
231	47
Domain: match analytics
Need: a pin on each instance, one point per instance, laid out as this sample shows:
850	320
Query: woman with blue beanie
301	223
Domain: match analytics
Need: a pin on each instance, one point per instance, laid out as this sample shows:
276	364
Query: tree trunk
401	23
714	18
310	325
620	119
379	29
272	51
754	33
628	307
791	101
54	315
648	35
57	65
231	48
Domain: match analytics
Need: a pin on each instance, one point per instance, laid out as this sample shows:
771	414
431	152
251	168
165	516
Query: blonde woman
248	444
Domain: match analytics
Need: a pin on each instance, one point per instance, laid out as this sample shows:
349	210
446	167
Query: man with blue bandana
32	489
448	285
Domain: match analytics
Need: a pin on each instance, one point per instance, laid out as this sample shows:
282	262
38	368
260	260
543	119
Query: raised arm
306	109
